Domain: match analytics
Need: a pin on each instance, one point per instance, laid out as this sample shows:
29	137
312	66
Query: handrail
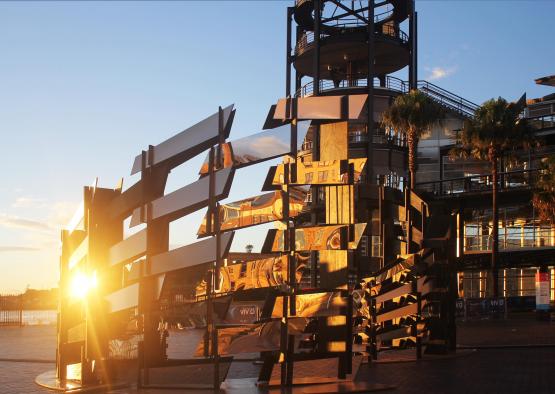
481	182
499	174
448	99
449	94
391	83
307	38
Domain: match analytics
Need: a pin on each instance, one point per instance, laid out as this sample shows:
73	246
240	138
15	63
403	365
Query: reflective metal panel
125	298
257	210
333	141
256	274
189	142
322	107
254	338
200	252
333	268
314	305
339	204
334	172
259	147
79	253
185	200
316	238
128	249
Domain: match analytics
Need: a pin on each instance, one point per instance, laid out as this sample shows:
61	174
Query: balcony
391	83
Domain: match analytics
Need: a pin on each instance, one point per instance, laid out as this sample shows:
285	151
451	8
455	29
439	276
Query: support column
316	64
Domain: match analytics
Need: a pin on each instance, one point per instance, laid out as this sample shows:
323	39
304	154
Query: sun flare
81	284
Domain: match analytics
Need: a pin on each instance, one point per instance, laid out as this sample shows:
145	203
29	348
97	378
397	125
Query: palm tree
494	132
411	115
249	248
544	193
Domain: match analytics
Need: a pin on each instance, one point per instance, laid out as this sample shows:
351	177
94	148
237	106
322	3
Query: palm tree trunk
495	230
411	142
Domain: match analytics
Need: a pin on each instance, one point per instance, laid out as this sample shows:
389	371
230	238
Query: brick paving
523	370
28	342
518	330
19	378
509	370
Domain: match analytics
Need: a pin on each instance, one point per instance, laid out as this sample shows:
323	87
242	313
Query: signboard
542	291
485	307
459	308
242	314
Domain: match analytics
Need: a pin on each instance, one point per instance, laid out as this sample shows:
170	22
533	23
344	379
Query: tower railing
307	38
447	99
390	83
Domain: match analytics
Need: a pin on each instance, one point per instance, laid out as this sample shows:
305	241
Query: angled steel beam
185	200
195	254
258	147
189	143
128	249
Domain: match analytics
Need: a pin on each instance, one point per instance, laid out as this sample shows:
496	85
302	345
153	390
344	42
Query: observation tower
352	49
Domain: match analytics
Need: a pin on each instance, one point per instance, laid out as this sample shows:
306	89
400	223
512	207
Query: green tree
544	193
411	115
495	131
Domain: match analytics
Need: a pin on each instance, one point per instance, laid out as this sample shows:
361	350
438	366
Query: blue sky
84	86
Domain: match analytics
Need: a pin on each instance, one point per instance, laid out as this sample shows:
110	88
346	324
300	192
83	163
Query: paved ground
512	370
524	370
519	329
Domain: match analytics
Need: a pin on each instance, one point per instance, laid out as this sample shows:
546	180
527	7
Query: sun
81	284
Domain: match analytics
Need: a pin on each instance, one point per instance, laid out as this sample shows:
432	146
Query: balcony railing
542	123
385	30
531	235
479	183
391	83
379	138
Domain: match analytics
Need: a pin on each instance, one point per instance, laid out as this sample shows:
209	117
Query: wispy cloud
6	249
29	202
436	73
10	221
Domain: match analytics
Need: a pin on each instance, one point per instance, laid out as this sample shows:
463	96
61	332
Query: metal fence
11	310
15	311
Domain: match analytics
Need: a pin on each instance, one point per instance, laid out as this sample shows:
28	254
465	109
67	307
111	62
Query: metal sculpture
352	266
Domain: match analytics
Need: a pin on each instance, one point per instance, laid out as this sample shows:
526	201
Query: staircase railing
448	99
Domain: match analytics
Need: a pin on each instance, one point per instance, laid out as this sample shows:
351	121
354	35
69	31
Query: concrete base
49	381
248	386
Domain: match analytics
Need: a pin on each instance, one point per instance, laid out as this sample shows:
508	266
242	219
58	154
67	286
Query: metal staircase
448	99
